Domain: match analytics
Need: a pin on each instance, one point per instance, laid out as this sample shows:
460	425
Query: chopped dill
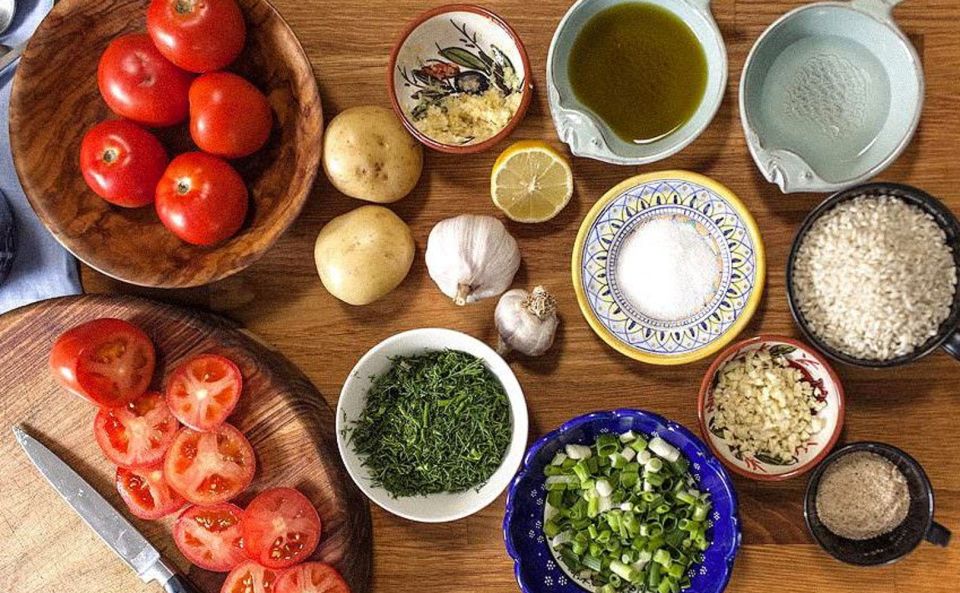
435	422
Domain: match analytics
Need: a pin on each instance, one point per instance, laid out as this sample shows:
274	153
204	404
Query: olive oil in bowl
640	69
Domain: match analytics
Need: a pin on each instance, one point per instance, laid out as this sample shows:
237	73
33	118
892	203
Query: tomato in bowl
132	245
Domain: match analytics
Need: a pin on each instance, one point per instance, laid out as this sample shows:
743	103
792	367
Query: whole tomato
140	84
201	198
229	117
122	163
197	35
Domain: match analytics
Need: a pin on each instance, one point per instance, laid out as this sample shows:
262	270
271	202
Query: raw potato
368	155
364	254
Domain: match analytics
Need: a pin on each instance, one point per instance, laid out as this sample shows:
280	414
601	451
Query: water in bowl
826	98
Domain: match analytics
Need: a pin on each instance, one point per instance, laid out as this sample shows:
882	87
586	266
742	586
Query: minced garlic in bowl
766	407
464	119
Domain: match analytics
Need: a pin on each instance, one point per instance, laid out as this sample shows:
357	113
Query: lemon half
531	182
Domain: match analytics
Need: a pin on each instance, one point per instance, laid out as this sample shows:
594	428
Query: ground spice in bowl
862	495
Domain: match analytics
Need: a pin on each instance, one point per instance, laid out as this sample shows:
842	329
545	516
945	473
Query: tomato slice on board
107	361
250	577
280	528
209	467
311	577
147	493
210	536
204	390
138	433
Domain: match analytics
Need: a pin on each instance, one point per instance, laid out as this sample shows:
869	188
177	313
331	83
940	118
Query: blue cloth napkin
42	269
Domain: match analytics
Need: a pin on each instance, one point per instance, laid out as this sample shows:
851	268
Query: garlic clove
526	321
472	257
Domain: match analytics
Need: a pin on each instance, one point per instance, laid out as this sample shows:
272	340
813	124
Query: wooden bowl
55	100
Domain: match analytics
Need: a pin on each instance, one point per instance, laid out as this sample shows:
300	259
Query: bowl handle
952	345
938	535
878	8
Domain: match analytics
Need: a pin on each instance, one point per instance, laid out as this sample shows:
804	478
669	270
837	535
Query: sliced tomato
210	536
250	577
107	361
204	390
147	493
138	433
311	577
210	467
280	528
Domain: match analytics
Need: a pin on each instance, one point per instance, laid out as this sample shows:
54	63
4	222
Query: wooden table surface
282	300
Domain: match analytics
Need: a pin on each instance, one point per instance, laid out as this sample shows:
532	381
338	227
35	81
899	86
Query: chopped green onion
625	518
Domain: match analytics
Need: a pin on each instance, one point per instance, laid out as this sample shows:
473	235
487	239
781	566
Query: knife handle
178	584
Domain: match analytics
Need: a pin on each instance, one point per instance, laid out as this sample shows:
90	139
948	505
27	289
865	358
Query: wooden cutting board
45	547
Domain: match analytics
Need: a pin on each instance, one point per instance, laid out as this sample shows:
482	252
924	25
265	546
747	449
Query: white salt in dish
668	267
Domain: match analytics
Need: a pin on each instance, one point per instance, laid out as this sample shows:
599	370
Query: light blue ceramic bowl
831	94
536	569
587	135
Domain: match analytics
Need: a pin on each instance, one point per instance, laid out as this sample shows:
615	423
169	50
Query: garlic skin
472	257
526	321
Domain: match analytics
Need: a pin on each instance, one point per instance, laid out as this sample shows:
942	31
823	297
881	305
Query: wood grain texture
280	297
55	101
46	547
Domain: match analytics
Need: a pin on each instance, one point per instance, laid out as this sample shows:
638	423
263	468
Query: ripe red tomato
122	163
209	467
280	528
229	117
311	577
210	536
197	35
107	361
201	199
204	390
140	84
147	493
250	577
137	434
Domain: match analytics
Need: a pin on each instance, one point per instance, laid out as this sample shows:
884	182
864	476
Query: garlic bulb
526	321
472	257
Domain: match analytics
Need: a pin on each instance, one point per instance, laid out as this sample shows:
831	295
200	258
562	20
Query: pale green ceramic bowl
586	134
831	94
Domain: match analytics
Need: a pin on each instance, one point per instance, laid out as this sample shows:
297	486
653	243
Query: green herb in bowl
624	514
434	422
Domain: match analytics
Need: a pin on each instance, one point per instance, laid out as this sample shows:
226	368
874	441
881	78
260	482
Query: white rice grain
874	277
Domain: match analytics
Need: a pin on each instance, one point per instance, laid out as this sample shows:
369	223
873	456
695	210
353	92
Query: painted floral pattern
814	373
468	68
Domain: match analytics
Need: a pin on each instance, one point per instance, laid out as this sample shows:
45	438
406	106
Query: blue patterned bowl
725	225
536	569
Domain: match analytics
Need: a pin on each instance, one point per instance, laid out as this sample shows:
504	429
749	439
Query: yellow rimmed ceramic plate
727	227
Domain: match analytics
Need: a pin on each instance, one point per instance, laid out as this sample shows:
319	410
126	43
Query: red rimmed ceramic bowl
816	370
459	78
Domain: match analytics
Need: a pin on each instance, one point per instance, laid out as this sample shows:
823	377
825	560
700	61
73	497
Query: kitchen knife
111	526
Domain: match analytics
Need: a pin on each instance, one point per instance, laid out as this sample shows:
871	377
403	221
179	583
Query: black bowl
890	547
949	335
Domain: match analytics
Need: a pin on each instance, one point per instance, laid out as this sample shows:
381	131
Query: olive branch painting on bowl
460	79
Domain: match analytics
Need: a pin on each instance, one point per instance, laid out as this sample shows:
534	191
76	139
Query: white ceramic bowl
587	135
435	508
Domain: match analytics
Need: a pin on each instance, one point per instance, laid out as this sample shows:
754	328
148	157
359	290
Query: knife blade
112	527
12	55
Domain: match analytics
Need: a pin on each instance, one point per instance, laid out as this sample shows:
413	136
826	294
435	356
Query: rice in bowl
874	277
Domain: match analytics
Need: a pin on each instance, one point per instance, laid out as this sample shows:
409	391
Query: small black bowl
890	547
949	335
